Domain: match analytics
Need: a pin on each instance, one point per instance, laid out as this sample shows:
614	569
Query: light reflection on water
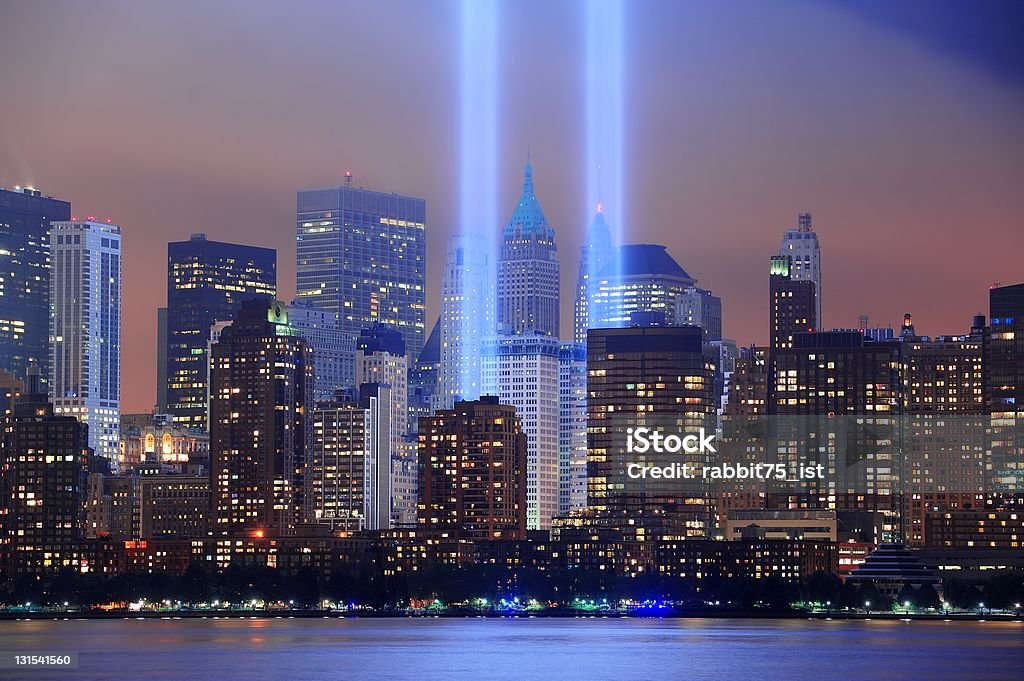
569	649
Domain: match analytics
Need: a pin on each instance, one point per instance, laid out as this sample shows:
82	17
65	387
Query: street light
906	606
867	605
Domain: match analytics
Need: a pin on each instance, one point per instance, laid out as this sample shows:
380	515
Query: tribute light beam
474	300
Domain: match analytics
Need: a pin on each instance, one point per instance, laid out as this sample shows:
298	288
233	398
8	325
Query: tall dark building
472	477
206	283
361	254
657	378
261	381
43	463
25	217
836	399
1004	386
793	304
528	274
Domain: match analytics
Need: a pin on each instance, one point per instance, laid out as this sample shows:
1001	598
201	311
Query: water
550	649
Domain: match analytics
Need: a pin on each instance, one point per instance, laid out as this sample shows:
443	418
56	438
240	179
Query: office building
657	378
25	217
43	464
698	307
361	255
207	281
1004	386
572	426
334	352
793	303
641	280
473	471
381	359
336	471
523	372
596	254
528	274
85	329
800	245
261	379
467	319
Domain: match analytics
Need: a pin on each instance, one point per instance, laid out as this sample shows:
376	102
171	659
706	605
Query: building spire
528	175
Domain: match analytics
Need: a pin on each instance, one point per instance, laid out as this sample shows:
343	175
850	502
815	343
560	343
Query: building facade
261	380
800	245
361	255
640	281
25	217
334	352
528	270
595	255
85	329
207	281
572	426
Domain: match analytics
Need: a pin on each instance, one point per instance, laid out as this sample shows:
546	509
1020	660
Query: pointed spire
528	175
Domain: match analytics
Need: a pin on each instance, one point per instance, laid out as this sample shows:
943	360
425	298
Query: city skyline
897	157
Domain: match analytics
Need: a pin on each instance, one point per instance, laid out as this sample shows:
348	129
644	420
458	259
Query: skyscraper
467	289
528	274
572	426
334	352
596	254
25	216
653	377
381	360
642	280
85	290
793	303
261	380
336	469
801	246
523	371
473	471
362	255
698	307
1004	386
206	283
43	462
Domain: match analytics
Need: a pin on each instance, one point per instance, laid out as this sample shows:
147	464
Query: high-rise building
572	426
836	399
523	371
377	401
336	470
25	217
85	329
467	292
654	377
944	430
43	464
334	352
698	307
261	378
793	303
801	246
595	255
424	379
642	280
361	254
1004	386
473	471
207	281
528	274
381	359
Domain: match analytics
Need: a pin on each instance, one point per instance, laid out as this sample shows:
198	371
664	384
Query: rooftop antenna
600	206
348	178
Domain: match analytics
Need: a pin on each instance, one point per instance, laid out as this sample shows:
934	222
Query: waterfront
520	648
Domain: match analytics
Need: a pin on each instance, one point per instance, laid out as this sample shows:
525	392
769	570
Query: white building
85	329
572	427
523	371
801	245
467	318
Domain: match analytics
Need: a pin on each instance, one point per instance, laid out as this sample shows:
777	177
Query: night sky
900	127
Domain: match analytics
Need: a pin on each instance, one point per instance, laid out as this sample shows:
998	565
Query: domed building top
528	215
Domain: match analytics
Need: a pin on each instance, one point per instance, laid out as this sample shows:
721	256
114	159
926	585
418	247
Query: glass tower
206	283
25	216
362	255
85	330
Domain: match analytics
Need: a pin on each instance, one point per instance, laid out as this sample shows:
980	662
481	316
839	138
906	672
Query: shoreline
332	614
